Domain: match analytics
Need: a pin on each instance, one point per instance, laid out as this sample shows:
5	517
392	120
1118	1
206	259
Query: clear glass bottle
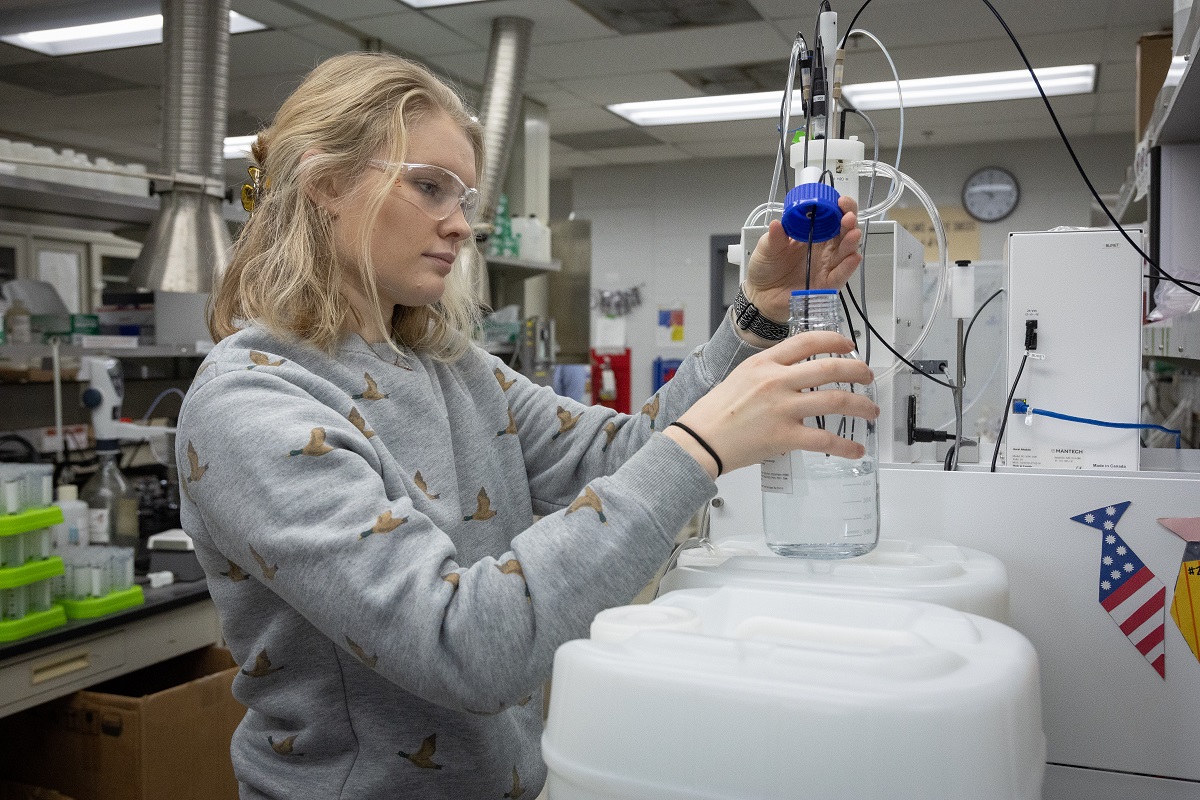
816	505
112	502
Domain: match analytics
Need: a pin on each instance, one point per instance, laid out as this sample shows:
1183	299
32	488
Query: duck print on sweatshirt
517	791
235	573
424	487
285	747
316	445
262	666
566	421
483	507
512	425
610	433
423	757
385	523
589	499
371	392
368	661
356	419
504	385
267	571
195	470
651	410
263	360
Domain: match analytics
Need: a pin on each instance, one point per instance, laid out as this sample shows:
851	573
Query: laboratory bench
174	619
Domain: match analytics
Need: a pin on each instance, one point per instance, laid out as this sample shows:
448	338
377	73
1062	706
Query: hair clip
252	190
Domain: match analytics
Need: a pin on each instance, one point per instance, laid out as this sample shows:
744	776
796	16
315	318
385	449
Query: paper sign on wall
962	231
669	331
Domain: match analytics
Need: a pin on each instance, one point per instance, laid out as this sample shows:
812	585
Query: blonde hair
285	273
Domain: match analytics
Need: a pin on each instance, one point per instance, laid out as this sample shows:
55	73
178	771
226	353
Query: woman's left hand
779	264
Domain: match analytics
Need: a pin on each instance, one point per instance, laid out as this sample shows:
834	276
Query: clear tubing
767	210
895	75
798	51
905	182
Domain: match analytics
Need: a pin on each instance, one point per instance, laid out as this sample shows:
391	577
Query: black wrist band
747	317
702	443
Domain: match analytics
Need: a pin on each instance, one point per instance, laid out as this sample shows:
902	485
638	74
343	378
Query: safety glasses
435	190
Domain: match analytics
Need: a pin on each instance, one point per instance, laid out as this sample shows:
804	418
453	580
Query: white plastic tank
916	569
716	694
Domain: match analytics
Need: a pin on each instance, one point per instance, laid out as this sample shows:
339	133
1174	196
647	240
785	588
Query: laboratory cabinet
80	264
174	620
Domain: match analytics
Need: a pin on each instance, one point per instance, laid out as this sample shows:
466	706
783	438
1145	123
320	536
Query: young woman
361	482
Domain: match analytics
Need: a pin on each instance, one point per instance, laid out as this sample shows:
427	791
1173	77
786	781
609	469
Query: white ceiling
578	65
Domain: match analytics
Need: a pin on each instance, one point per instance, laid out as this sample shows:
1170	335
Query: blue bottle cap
811	210
811	292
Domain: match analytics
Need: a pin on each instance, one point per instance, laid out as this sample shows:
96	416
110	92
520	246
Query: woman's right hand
759	409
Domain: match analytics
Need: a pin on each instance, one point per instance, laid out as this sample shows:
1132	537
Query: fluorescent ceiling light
109	35
977	88
239	146
1175	73
433	3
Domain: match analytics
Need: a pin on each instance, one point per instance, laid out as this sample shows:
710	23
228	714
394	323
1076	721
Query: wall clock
990	194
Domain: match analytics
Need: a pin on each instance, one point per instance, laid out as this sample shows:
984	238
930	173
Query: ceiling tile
551	95
144	62
273	52
646	86
654	52
415	33
345	10
271	14
553	22
576	120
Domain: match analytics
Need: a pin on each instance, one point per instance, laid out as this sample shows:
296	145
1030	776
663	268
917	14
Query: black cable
967	335
1008	407
1078	166
846	311
946	465
853	20
891	349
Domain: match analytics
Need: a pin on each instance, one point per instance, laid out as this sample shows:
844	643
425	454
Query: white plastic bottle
816	505
73	531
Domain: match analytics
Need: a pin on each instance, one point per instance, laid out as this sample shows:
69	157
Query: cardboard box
160	732
1153	61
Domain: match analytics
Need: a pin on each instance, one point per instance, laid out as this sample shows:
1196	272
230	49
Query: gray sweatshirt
366	523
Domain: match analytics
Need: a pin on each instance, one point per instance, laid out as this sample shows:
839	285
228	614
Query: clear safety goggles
435	190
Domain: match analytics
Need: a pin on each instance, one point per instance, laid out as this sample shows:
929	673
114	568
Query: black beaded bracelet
702	443
747	317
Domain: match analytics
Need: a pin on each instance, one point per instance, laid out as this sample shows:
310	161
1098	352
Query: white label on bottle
777	474
98	525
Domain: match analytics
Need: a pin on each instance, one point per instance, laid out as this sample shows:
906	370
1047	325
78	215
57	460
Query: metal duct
188	244
503	91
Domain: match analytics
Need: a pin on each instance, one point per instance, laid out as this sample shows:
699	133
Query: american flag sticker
1129	590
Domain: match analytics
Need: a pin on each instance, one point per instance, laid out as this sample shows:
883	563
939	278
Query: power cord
1030	345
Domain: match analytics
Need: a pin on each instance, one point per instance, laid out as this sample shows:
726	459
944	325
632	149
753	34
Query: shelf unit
1174	122
141	351
1175	119
520	269
43	202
